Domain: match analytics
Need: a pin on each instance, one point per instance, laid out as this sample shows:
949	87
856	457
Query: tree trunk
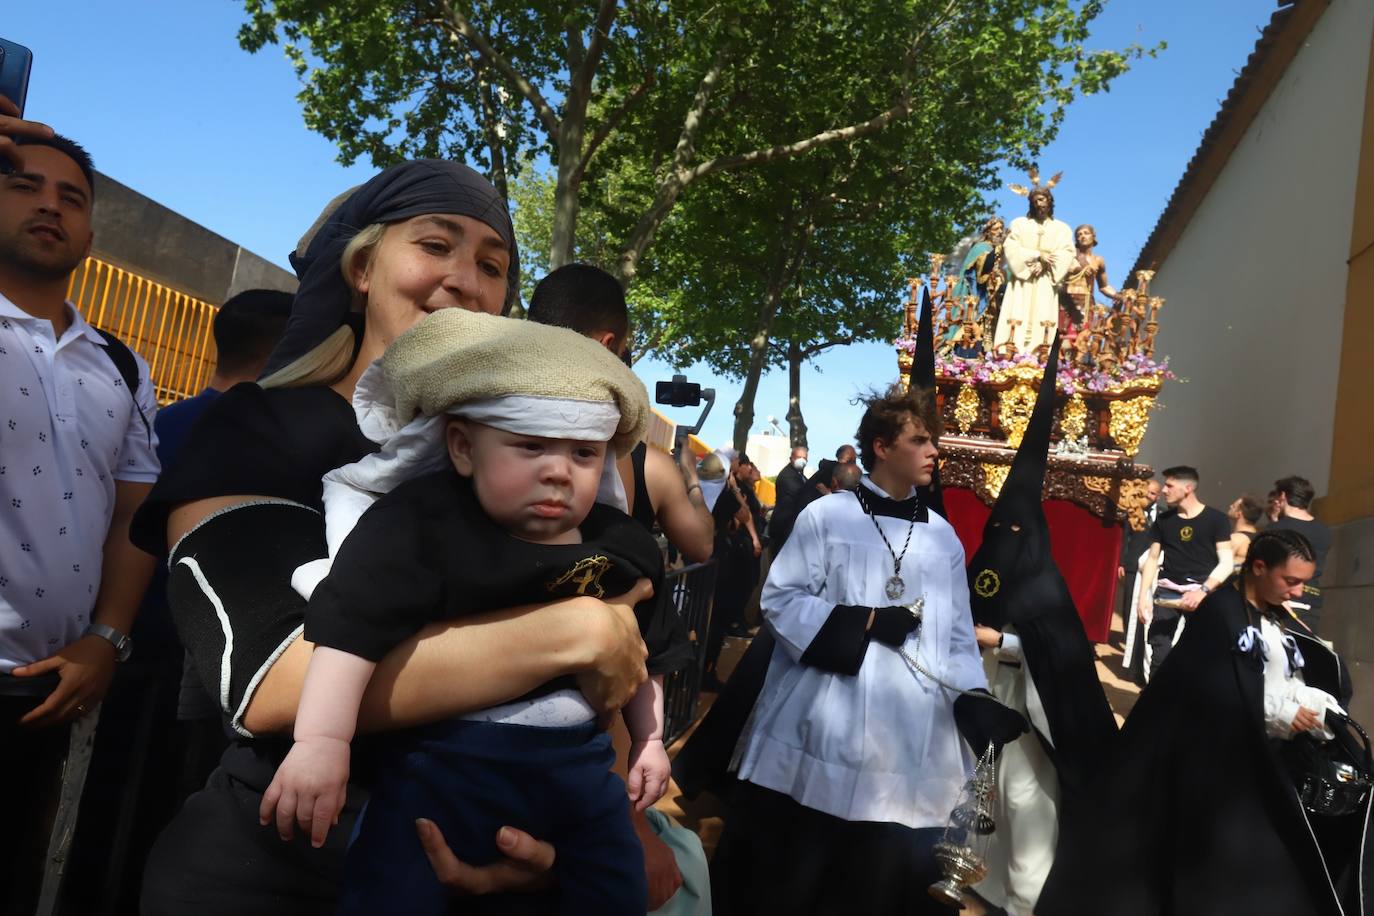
758	353
565	203
796	425
492	129
785	273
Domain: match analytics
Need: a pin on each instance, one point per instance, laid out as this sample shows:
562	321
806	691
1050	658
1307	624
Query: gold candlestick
1143	278
910	324
1012	325
936	262
1156	303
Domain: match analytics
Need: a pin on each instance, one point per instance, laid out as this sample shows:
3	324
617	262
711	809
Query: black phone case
15	63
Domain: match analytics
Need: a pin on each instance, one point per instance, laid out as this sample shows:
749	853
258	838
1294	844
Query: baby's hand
309	788
649	772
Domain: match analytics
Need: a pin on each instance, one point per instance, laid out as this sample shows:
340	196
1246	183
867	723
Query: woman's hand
525	867
11	125
1307	720
987	637
660	865
618	669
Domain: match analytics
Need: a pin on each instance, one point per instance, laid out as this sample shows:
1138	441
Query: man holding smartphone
76	459
13	125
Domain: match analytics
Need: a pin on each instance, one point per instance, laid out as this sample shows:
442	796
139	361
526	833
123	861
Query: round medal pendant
895	587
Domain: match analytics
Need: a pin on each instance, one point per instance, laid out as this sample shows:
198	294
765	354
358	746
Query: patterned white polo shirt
68	431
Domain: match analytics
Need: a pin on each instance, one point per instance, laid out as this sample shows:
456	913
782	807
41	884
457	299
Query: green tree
496	82
773	263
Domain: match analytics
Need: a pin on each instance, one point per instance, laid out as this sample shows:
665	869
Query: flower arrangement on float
1134	371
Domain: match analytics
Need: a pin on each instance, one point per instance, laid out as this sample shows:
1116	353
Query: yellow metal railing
168	328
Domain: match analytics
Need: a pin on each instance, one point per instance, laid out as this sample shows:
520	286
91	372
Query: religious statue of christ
1039	253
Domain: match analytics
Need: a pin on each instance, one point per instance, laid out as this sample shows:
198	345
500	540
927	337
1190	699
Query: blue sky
168	104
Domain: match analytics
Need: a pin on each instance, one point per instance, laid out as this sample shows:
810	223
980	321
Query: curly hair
887	412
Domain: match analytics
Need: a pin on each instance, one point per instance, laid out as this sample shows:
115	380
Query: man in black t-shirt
1190	556
1294	497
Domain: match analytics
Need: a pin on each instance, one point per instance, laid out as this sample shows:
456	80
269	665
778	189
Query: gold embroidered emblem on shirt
987	583
586	575
1185	533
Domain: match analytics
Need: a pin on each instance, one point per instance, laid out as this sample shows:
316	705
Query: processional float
986	379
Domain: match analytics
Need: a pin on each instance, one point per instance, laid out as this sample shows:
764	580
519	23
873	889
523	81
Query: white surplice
880	745
1031	301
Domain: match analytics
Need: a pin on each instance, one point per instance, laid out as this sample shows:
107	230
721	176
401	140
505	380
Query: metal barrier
690	592
169	329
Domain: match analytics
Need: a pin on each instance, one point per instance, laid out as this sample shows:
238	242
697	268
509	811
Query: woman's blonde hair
330	360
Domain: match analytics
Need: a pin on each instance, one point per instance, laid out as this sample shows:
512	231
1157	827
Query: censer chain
917	668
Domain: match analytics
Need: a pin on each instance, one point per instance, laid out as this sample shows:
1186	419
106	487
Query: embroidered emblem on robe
585	575
987	583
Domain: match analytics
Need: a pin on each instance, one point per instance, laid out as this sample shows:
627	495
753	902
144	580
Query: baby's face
538	489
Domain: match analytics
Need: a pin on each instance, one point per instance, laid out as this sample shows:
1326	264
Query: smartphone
678	393
15	63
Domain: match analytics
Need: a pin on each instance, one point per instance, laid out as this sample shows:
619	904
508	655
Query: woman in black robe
1198	810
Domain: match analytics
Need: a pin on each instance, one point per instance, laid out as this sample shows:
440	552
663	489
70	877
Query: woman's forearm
447	668
480	661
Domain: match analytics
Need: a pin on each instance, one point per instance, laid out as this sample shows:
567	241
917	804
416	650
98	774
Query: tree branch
605	130
691	124
789	150
843	340
458	23
601	35
900	109
672	184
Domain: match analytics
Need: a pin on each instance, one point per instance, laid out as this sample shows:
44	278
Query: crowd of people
356	619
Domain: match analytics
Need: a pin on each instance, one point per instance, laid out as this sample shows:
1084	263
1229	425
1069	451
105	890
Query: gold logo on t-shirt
986	583
1185	533
586	575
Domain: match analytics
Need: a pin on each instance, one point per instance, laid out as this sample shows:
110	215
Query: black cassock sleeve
840	643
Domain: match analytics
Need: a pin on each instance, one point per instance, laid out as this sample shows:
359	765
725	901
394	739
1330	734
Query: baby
523	422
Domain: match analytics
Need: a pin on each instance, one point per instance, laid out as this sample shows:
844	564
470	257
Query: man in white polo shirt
76	459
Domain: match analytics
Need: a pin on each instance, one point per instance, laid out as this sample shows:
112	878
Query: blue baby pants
472	778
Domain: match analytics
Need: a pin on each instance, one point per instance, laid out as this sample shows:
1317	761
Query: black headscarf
424	186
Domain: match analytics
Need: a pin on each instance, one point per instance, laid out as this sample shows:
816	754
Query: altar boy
853	756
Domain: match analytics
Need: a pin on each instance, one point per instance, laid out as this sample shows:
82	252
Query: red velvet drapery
1086	548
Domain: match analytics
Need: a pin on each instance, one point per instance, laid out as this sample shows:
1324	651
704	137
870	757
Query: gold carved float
1107	385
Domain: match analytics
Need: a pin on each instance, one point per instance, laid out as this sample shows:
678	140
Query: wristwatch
123	645
1206	589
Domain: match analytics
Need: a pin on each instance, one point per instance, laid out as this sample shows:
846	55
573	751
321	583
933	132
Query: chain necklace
895	586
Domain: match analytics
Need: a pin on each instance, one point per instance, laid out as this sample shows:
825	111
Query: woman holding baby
246	495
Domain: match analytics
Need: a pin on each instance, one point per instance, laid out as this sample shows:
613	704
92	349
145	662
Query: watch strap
123	645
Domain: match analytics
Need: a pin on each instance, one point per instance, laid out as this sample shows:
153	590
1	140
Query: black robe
1194	812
